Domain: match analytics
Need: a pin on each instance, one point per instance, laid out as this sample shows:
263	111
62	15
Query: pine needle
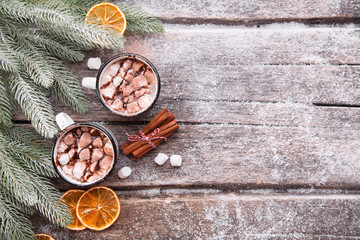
20	206
15	179
35	35
13	224
139	21
67	88
6	107
34	156
31	60
48	202
7	59
35	105
57	19
53	47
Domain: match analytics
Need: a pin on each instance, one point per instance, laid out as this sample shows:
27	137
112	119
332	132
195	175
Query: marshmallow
114	69
98	143
84	154
69	138
127	64
62	147
94	63
108	149
85	140
96	155
161	158
175	160
144	101
150	77
124	172
133	107
117	81
117	105
79	169
106	163
67	169
139	82
64	159
137	65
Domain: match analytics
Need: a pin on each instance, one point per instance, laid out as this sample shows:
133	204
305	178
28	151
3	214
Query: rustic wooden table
269	124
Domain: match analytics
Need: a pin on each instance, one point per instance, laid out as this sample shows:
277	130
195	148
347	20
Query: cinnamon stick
146	148
163	117
135	145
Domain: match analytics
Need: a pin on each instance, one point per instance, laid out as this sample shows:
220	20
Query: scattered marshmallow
175	160
124	172
94	63
161	158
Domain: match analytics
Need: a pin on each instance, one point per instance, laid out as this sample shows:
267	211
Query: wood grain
228	112
226	216
210	65
235	156
250	12
233	46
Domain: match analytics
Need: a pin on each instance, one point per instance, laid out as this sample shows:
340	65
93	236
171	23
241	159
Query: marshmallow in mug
85	154
126	85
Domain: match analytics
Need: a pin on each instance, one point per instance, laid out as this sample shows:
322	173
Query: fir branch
67	88
13	224
24	136
15	179
48	202
80	7
20	206
34	156
139	21
8	61
53	47
31	60
56	19
34	104
87	36
6	106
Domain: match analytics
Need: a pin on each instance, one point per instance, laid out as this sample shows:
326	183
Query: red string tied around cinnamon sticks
143	137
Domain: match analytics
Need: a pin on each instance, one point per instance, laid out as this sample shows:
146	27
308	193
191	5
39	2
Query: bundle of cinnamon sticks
167	126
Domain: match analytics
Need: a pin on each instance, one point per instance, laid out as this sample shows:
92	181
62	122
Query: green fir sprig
36	36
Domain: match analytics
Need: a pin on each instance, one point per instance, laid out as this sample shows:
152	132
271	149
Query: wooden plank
246	113
250	12
260	83
242	71
230	216
237	156
233	46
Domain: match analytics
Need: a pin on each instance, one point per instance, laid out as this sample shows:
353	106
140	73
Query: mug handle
89	82
63	120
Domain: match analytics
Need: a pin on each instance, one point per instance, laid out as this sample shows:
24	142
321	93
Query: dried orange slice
98	208
71	198
43	236
108	14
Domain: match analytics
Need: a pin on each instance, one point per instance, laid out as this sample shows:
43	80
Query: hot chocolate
126	86
85	154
